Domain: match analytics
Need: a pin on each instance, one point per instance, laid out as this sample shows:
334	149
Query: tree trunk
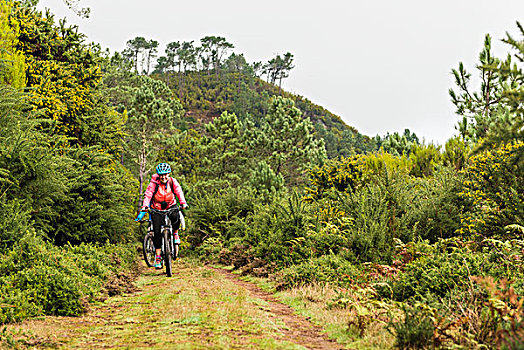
179	80
239	82
142	163
136	61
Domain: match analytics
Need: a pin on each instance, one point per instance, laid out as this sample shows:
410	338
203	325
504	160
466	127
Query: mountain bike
169	249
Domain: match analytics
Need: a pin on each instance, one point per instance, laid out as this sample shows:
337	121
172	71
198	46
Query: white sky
381	65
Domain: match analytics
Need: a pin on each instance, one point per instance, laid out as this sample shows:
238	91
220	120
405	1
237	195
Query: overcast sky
381	65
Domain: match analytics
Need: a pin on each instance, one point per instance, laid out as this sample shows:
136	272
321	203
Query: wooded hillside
421	240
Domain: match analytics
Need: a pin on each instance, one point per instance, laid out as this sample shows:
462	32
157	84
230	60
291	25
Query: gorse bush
210	249
379	162
372	231
31	179
495	185
328	234
217	213
456	153
282	231
434	207
343	175
425	158
12	62
444	269
97	207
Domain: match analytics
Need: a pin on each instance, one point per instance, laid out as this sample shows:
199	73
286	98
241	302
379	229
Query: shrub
444	270
456	153
326	269
279	233
434	207
425	159
38	278
495	184
370	236
415	330
210	249
342	175
213	212
97	208
380	162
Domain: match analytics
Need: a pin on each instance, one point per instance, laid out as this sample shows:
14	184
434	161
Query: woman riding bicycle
160	194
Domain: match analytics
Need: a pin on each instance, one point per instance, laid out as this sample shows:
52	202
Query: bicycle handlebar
168	211
161	212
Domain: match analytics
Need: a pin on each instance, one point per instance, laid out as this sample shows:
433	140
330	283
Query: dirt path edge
298	328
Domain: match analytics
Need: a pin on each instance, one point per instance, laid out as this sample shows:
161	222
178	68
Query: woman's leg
175	224
157	238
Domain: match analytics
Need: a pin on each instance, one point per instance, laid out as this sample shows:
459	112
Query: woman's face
163	178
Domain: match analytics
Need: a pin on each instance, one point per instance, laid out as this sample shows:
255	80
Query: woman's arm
149	193
178	192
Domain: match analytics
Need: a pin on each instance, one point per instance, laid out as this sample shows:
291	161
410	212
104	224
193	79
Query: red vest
163	194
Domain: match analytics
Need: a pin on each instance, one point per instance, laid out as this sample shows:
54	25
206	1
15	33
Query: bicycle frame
168	251
165	216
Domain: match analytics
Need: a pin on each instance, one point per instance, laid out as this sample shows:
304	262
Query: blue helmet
163	168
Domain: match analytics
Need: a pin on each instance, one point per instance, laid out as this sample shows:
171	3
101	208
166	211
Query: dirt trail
198	308
298	328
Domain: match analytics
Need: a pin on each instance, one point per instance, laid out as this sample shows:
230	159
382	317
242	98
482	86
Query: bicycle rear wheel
167	254
148	249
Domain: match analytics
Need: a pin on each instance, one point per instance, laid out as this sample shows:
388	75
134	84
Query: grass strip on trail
198	308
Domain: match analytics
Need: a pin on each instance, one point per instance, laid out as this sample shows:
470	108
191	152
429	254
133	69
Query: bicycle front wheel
148	249
167	254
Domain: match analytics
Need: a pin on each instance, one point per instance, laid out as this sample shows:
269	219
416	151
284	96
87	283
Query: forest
423	241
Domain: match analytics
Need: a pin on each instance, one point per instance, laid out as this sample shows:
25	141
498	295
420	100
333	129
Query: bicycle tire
167	254
148	249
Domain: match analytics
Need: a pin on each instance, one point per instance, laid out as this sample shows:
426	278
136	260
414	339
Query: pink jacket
161	190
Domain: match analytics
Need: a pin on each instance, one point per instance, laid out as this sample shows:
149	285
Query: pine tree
152	115
265	182
510	126
224	149
479	109
285	141
495	114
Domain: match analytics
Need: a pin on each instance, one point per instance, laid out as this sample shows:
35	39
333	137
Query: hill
207	86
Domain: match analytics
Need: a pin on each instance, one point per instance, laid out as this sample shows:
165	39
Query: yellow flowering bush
63	76
495	184
12	65
342	175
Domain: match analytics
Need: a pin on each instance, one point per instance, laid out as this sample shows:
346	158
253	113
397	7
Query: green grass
196	309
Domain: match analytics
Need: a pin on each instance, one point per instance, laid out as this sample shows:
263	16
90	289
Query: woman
160	194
